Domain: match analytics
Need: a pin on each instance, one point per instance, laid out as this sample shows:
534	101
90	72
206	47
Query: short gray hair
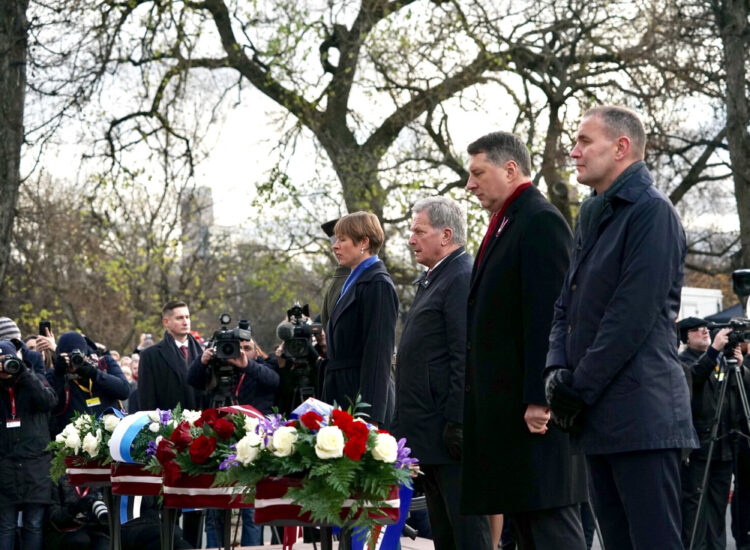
621	121
444	212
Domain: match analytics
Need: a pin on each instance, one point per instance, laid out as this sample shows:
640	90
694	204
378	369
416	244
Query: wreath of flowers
87	437
338	456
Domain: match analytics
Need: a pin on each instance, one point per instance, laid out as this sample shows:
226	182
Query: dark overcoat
360	336
162	376
506	468
614	324
24	463
431	358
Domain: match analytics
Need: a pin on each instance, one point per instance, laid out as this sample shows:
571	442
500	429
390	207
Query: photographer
25	485
77	519
705	369
252	383
84	381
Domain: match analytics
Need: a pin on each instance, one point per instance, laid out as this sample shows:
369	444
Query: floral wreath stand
273	508
196	492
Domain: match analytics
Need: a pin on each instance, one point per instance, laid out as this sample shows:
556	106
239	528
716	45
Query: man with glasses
703	362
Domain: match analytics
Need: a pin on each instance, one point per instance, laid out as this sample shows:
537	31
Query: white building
700	302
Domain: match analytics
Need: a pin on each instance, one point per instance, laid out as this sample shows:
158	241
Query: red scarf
497	216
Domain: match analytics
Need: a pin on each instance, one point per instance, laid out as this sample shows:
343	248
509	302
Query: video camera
297	332
740	326
226	345
226	342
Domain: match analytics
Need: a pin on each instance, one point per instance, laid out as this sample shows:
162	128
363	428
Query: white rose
60	438
158	438
110	422
248	448
73	441
69	429
329	442
153	416
91	445
251	423
154	427
81	421
283	440
386	448
191	416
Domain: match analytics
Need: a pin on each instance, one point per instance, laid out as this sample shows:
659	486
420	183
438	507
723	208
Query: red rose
359	431
171	472
223	428
355	448
165	452
209	416
342	419
311	420
181	436
201	448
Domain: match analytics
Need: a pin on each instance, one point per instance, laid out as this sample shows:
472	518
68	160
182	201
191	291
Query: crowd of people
538	383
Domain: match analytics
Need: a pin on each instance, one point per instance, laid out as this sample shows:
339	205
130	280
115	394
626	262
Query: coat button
570	329
573	287
468	388
468	345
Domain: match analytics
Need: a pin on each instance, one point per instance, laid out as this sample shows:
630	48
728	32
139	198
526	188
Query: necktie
184	351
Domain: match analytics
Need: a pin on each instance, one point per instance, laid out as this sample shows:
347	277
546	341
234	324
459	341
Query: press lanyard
239	385
12	394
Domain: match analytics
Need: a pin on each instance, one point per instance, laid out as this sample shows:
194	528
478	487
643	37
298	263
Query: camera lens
11	365
77	358
99	509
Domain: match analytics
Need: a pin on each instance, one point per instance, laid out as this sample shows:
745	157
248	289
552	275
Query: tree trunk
13	29
732	21
553	166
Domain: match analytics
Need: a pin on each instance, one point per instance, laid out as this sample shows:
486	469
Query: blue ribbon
129	436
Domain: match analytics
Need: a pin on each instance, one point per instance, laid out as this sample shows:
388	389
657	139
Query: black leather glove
87	370
565	403
453	439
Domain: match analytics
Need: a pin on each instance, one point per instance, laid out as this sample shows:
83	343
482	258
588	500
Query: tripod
733	371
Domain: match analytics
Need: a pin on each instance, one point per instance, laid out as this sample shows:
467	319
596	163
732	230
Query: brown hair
359	225
169	306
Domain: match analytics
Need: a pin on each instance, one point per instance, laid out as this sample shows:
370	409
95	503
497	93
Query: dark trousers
450	529
637	499
711	533
551	529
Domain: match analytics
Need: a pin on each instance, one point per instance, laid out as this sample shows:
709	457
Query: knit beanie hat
8	329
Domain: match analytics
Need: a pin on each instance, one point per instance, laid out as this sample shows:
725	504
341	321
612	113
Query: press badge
93	402
12	423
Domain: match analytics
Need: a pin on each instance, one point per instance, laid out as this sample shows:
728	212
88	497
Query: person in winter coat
25	400
83	381
362	329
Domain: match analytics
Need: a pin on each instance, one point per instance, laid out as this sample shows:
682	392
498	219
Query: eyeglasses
701	329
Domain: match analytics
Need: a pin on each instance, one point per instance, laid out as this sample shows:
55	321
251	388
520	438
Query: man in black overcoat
162	381
163	372
430	367
513	462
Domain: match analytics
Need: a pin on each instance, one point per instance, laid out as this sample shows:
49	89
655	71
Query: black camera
11	365
297	332
226	342
77	358
740	331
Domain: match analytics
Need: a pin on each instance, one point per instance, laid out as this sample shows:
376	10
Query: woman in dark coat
361	331
25	485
